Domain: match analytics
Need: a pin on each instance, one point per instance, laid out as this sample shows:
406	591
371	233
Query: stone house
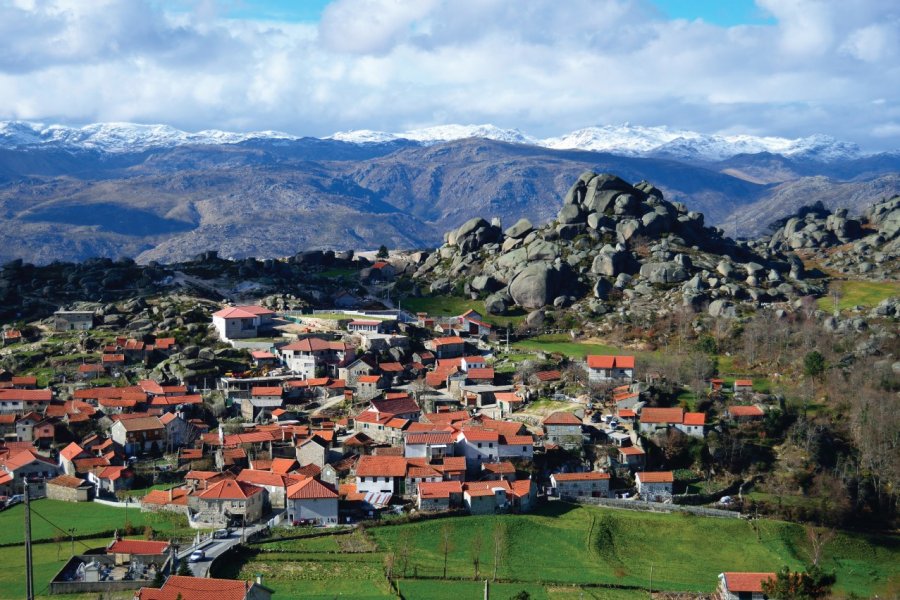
571	485
70	489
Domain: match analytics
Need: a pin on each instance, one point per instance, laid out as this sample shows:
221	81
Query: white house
306	355
312	501
603	368
431	445
478	446
236	322
516	446
655	486
381	474
21	401
655	419
743	586
571	485
367	326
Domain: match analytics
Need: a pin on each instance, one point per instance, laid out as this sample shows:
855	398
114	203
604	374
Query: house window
479	444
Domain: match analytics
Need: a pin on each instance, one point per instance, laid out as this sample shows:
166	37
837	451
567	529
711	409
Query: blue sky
764	67
720	12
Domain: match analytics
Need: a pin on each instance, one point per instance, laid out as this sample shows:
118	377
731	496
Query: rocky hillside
846	246
612	241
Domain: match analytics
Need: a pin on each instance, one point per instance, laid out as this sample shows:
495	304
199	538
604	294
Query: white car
197	556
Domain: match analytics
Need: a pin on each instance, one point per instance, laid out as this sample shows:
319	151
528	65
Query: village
344	416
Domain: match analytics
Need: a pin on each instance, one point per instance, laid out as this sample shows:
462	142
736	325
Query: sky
313	67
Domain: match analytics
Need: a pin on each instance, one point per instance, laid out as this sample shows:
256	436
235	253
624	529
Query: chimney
259	579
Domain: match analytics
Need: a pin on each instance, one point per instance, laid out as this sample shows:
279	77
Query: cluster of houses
339	425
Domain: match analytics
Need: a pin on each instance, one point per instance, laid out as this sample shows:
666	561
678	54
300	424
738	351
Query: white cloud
543	66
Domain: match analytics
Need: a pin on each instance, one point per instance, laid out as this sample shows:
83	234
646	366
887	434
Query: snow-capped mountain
625	140
118	137
632	140
437	134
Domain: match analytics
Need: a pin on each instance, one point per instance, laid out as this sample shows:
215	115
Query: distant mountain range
157	193
625	140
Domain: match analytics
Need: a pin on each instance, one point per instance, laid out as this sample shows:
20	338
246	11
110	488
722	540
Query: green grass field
87	518
451	306
12	581
563	552
581	545
862	293
563	344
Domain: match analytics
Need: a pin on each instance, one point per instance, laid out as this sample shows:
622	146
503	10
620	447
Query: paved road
216	547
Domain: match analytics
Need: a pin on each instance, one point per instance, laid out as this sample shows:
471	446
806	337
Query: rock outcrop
614	240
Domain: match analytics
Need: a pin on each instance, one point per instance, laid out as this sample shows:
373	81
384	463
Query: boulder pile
611	240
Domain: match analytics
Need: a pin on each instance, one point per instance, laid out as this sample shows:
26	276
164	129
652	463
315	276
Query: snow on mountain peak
117	137
434	135
625	139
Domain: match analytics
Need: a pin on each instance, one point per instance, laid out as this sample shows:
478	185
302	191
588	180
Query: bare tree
404	550
389	562
475	552
818	539
446	544
499	547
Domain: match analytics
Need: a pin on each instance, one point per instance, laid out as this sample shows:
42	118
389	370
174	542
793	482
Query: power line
52	524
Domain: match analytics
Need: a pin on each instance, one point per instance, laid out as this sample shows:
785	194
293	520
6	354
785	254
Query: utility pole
651	581
487	593
72	538
29	570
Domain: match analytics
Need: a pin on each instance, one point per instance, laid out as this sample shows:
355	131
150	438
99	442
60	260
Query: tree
389	560
159	579
475	552
813	364
499	536
809	585
446	544
404	550
382	252
818	539
185	569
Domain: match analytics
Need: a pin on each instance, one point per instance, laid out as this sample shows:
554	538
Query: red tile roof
137	547
9	395
745	411
695	418
445	341
656	477
746	582
432	437
589	476
381	466
242	312
439	489
266	391
631	451
310	489
562	418
230	489
68	481
196	588
595	361
662	415
71	451
548	375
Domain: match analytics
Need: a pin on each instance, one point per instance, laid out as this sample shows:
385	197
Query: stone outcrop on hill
868	246
610	240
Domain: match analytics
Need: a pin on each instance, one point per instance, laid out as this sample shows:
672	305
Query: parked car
16	499
221	533
302	522
197	556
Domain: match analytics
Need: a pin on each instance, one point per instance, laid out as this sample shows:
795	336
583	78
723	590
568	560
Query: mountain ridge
625	139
